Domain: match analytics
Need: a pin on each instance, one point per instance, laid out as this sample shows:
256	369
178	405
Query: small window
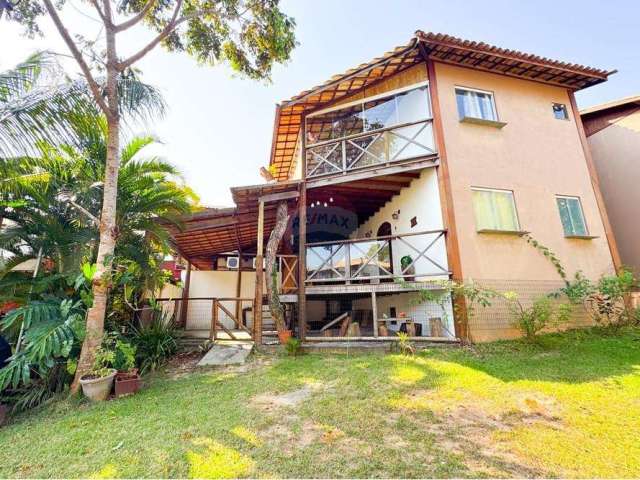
495	210
571	216
476	104
560	111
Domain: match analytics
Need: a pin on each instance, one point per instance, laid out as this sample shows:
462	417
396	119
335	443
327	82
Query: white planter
98	389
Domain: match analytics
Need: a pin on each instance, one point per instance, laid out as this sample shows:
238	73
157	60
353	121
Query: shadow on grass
574	356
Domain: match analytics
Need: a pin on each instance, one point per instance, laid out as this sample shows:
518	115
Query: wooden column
257	303
239	288
374	313
302	236
446	204
595	183
185	296
302	262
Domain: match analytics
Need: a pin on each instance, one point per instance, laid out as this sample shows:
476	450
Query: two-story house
428	163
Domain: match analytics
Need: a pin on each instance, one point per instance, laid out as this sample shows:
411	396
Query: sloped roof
634	99
440	47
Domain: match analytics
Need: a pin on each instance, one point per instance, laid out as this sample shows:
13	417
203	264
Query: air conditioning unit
233	263
254	263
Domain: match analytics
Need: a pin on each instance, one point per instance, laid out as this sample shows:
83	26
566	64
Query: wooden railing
392	144
217	325
288	273
408	256
211	313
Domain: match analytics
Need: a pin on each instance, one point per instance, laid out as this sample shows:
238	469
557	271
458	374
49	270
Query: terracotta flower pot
127	383
283	336
97	389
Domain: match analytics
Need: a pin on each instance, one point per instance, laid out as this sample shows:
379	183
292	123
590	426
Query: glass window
571	216
560	111
495	210
413	105
380	113
373	114
474	104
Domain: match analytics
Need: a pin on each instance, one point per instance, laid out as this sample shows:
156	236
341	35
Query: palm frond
23	77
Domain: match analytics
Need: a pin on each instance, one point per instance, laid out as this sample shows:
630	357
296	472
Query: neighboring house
613	132
429	162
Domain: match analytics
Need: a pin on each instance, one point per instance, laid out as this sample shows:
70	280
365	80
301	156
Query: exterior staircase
269	331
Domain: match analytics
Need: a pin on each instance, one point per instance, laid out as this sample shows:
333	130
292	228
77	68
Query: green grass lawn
569	406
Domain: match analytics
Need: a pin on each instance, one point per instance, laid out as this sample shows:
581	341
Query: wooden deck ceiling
214	231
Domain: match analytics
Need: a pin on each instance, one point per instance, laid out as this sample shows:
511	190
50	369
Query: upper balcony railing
387	145
411	257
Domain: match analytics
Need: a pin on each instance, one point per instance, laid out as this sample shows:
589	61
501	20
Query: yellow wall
536	156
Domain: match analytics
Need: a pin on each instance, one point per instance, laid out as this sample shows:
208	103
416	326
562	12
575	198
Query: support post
374	313
214	320
185	296
302	237
257	303
302	262
239	288
446	203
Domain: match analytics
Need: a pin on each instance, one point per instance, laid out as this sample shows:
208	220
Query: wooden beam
446	203
257	303
276	197
393	169
595	183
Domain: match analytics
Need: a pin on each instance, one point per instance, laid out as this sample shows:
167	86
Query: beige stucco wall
616	153
536	156
221	284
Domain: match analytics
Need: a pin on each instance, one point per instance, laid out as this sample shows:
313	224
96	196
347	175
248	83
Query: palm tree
39	103
55	199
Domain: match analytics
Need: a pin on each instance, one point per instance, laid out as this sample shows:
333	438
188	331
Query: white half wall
422	201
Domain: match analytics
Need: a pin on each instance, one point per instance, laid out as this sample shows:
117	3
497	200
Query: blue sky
218	128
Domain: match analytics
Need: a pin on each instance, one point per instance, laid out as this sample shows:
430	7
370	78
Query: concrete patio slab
227	353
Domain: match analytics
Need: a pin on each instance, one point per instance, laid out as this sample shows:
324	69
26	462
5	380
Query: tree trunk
108	229
277	310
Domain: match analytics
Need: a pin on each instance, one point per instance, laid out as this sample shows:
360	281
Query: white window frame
477	90
584	219
513	202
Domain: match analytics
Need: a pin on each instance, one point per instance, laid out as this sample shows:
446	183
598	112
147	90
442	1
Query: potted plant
284	336
97	384
127	379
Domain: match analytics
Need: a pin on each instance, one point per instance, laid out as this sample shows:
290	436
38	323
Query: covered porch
380	235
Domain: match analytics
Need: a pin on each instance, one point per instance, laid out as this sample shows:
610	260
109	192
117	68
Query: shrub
404	345
293	346
538	316
154	341
102	366
125	356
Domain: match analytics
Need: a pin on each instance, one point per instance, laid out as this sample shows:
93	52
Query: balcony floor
385	287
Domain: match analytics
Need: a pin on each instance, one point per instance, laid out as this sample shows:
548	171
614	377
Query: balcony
378	130
412	257
394	144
